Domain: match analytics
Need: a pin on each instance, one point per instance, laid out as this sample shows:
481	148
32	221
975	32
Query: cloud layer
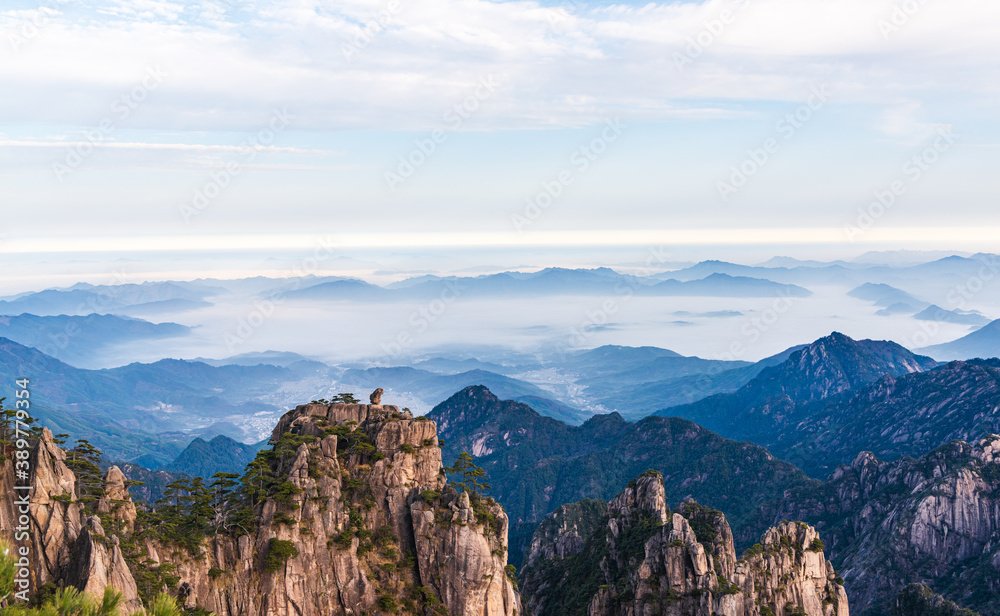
399	64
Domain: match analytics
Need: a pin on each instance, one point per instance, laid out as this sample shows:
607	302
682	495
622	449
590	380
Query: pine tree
84	460
222	493
473	477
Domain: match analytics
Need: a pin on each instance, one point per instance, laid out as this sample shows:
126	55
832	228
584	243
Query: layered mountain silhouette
145	412
79	340
82	299
885	524
222	454
434	388
959	317
548	282
779	396
982	343
537	463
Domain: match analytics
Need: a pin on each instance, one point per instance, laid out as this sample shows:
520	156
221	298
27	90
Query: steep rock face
67	547
56	518
458	560
116	501
919	600
475	420
830	366
539	464
97	562
935	519
651	561
356	516
790	569
896	416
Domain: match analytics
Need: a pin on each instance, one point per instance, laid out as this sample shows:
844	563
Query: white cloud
133	145
229	62
903	122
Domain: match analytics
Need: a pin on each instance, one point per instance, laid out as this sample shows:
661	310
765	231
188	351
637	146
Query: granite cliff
349	512
634	557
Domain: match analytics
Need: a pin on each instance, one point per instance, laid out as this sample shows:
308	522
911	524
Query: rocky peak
788	570
684	565
987	450
935	518
116	501
476	421
353	514
646	494
838	363
70	547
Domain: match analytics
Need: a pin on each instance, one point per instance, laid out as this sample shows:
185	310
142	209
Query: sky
153	125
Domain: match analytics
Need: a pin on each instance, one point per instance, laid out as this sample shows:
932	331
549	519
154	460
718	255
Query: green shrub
387	603
511	572
284	519
278	552
343	540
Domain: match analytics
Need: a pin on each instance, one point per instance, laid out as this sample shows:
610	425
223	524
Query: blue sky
288	120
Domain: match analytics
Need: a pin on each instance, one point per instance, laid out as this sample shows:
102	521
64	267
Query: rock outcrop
919	600
351	514
935	519
68	547
640	559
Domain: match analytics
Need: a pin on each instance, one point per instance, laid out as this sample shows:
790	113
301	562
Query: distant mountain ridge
82	299
435	387
536	463
883	296
778	396
222	454
935	519
982	343
78	340
548	282
900	416
946	271
141	410
960	317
